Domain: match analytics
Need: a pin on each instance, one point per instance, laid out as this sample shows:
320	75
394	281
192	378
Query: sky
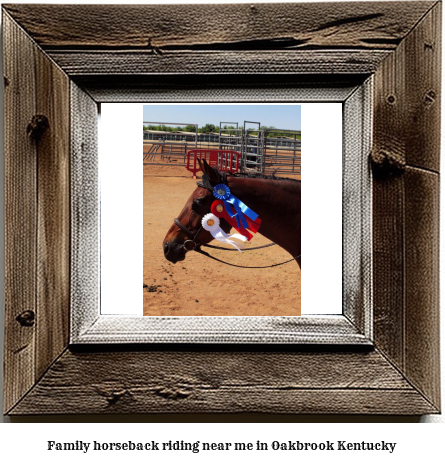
279	116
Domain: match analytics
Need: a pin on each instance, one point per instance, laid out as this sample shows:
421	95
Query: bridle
192	244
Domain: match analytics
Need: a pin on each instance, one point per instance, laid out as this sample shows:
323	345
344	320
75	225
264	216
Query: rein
239	266
196	246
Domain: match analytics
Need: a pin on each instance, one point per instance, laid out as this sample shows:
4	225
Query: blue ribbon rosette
222	192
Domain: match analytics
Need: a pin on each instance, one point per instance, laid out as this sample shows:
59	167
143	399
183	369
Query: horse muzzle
174	252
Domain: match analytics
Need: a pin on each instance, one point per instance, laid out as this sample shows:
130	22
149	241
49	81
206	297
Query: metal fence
262	150
282	154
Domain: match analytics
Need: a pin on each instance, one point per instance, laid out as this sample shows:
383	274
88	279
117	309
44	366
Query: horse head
186	233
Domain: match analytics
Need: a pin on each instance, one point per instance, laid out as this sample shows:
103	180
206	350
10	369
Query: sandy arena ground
198	285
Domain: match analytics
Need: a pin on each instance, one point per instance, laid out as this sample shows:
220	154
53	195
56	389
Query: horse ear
200	164
210	172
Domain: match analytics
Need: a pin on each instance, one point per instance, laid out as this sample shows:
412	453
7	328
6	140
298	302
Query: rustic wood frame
78	56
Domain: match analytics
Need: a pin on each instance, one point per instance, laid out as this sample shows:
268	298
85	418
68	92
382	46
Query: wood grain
423	91
78	63
37	217
197	88
53	225
373	25
389	144
423	47
408	98
422	284
406	133
20	212
388	202
85	208
218	381
357	209
388	268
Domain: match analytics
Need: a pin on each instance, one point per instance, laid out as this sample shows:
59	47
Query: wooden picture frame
57	70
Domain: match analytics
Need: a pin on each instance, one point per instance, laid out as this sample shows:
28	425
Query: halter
192	243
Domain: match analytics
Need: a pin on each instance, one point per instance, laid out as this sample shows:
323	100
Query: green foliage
269	133
163	127
208	128
212	128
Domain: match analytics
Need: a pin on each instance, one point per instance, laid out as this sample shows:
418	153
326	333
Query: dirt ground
198	285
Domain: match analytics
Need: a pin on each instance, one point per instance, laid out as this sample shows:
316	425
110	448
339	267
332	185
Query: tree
209	128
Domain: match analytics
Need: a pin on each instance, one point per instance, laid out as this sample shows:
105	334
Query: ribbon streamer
219	205
210	222
245	217
218	208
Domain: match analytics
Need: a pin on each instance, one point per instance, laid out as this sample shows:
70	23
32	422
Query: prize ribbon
210	222
234	211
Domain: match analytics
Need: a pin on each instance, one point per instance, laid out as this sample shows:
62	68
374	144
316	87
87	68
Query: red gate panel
224	160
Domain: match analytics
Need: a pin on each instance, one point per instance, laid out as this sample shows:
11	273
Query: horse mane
255	174
207	184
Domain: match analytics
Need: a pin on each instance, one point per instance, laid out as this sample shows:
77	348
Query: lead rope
239	266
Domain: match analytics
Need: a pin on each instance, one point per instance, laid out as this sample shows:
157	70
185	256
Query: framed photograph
250	157
67	351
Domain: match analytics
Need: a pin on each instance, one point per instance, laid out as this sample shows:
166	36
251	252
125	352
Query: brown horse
276	201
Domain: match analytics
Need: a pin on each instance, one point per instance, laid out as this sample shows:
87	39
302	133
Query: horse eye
197	204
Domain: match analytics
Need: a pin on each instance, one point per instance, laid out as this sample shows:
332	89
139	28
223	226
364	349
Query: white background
120	168
26	443
120	145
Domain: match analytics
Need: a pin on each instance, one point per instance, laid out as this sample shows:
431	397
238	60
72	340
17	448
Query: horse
277	201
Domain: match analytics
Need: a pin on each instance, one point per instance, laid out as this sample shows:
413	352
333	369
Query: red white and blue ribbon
234	211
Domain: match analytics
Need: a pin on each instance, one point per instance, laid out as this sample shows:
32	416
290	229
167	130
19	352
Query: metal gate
282	151
263	150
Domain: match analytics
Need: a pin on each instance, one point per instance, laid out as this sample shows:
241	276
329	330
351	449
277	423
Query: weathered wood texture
37	216
357	209
164	39
406	239
20	213
373	25
216	382
85	241
422	364
423	91
388	268
240	88
78	63
388	203
53	200
335	330
408	84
